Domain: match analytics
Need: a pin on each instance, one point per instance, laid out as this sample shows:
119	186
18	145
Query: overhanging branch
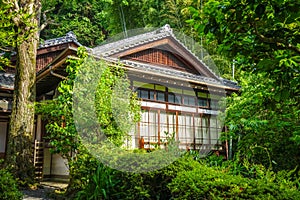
279	42
46	20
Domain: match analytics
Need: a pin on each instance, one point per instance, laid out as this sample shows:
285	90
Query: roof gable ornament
69	37
166	28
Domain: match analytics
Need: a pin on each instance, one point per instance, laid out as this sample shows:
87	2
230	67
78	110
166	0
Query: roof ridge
7	80
69	37
161	32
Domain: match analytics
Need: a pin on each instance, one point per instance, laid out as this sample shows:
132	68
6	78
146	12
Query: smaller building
6	96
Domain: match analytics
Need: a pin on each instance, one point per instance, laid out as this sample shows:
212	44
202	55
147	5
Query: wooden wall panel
44	59
162	57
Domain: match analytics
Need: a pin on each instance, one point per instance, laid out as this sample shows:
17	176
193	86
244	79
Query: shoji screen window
198	131
185	130
219	129
163	123
214	130
172	122
149	126
153	126
144	124
205	129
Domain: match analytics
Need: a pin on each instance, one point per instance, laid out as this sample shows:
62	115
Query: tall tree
23	16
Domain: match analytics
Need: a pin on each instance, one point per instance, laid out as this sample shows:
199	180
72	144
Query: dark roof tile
7	80
69	37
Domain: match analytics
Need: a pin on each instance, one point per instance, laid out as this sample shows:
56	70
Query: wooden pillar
38	135
177	134
158	120
209	136
142	142
194	131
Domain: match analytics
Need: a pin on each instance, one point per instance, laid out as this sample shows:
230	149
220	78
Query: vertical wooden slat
177	135
201	127
209	136
226	144
194	131
158	120
139	130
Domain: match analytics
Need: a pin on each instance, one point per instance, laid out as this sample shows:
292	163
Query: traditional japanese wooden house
179	94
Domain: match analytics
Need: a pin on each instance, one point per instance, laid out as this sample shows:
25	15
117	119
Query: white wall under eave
59	166
54	165
47	162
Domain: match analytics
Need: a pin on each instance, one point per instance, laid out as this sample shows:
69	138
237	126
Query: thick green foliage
8	186
208	183
85	18
265	125
116	105
115	184
61	129
100	185
263	38
190	179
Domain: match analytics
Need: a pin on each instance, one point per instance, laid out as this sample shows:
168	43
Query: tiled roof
7	80
173	73
106	50
127	43
69	37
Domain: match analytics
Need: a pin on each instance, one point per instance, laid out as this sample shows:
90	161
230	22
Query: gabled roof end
69	37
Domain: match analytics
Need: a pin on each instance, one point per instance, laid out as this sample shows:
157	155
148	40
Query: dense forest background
262	40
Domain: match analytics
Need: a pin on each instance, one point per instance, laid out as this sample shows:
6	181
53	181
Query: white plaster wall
59	166
55	167
47	162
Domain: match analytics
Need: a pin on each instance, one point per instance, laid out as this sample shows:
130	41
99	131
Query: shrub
153	184
8	186
189	179
100	185
107	183
206	182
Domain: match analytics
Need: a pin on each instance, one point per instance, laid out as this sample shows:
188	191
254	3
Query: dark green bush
107	183
189	179
8	186
205	182
152	184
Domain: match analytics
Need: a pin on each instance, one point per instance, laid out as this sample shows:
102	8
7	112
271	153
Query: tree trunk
20	140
